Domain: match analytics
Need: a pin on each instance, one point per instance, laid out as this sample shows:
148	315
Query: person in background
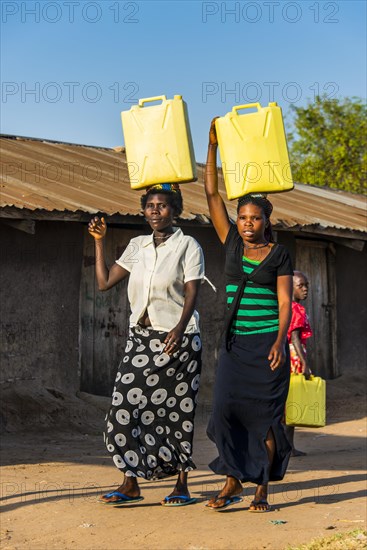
150	424
252	378
298	332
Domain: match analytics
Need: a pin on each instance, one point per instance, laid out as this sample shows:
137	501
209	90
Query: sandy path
50	484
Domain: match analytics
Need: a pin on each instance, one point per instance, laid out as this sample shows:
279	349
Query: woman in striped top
253	372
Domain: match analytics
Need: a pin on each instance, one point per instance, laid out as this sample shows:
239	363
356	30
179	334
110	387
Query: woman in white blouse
149	429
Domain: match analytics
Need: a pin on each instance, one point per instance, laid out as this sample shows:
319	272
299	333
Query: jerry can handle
247	106
142	101
309	379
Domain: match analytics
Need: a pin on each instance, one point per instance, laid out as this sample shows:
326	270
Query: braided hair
262	202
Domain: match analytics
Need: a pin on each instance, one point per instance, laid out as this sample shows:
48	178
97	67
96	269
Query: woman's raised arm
217	209
106	278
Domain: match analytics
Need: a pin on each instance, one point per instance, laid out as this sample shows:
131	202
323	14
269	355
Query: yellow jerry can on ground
158	142
306	402
253	150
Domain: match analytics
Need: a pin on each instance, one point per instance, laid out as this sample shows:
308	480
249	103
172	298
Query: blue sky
70	67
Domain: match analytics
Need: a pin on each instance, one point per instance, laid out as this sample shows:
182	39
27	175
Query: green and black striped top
258	311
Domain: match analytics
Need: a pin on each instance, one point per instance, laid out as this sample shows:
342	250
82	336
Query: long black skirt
249	400
150	424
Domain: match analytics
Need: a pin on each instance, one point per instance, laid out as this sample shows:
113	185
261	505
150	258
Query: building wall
39	282
104	316
351	276
351	301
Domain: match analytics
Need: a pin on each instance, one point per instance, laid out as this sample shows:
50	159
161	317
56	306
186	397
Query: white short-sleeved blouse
157	278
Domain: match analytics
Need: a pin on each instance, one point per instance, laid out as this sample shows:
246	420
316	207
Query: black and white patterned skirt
150	425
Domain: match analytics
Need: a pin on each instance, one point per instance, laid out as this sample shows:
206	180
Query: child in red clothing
299	328
298	332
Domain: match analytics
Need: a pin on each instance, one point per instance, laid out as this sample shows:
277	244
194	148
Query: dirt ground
51	480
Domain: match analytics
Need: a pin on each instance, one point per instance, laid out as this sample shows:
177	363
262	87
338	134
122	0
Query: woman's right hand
213	139
97	228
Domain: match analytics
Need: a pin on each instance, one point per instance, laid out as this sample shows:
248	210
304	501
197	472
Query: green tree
328	143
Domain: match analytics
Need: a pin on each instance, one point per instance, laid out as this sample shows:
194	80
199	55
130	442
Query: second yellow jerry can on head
158	142
253	151
306	401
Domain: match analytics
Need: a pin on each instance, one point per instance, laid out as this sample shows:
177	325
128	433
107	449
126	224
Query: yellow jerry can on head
158	142
306	402
253	150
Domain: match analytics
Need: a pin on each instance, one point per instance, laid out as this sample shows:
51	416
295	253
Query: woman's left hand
173	340
277	355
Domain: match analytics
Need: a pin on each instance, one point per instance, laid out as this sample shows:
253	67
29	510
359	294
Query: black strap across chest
232	310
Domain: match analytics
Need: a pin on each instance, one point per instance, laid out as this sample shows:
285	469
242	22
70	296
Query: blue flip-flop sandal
185	501
228	502
263	502
123	499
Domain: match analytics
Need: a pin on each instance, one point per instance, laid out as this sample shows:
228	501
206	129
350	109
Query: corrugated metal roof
55	176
